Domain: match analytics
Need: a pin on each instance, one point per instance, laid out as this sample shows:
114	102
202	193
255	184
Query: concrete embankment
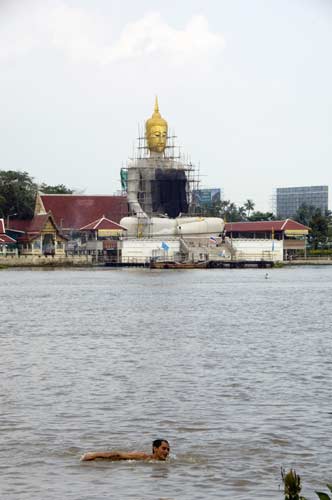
308	262
88	261
45	261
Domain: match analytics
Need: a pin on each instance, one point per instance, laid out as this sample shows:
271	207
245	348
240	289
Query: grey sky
245	85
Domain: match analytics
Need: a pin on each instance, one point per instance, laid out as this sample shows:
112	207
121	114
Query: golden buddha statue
157	184
158	194
156	131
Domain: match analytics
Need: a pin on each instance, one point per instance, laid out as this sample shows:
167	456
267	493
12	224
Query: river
235	370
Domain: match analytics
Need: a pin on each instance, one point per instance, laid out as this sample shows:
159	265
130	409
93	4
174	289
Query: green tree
329	232
249	206
305	214
210	211
17	194
223	208
318	235
230	212
319	224
257	216
2	205
58	189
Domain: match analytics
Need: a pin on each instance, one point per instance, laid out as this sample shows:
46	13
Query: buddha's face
156	137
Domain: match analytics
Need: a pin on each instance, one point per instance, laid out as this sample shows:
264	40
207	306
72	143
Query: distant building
288	200
206	197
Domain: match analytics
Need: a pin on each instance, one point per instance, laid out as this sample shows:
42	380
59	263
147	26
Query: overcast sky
246	85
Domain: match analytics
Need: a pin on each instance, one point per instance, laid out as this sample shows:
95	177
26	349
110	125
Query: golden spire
156	107
156	130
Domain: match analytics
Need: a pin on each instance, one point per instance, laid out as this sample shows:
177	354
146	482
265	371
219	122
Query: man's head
160	449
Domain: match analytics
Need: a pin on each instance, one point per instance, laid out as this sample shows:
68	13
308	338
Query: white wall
142	250
255	249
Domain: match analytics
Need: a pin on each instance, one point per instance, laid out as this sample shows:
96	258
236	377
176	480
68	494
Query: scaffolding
173	158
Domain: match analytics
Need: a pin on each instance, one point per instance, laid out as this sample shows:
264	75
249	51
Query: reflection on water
233	369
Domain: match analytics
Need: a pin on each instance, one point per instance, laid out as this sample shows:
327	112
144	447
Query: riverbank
308	262
87	261
45	261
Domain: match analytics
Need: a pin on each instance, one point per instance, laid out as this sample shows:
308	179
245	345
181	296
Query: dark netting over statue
169	192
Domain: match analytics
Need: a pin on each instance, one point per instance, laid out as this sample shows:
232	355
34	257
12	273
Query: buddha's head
156	131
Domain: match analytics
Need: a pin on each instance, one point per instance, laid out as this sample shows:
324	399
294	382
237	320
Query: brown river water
235	370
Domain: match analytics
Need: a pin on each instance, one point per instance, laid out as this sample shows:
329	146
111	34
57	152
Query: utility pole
9	215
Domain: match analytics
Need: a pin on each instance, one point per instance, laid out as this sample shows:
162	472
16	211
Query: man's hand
88	456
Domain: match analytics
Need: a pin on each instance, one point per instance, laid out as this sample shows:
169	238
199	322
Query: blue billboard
206	197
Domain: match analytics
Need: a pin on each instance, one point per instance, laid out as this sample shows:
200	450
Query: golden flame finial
156	130
156	107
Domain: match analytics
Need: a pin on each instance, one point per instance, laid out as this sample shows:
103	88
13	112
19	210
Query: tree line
230	212
18	193
320	224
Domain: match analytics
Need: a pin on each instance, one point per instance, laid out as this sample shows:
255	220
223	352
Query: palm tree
249	205
224	207
242	213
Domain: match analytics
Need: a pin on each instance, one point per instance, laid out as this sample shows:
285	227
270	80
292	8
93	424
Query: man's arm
115	455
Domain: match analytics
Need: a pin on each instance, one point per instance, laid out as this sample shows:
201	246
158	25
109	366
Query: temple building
38	236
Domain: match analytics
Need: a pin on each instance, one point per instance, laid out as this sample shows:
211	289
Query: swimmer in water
160	451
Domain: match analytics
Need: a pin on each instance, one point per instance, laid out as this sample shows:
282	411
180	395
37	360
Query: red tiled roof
262	226
4	238
32	228
38	223
72	211
102	223
34	225
19	225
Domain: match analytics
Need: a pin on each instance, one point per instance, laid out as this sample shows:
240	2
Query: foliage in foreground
292	487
